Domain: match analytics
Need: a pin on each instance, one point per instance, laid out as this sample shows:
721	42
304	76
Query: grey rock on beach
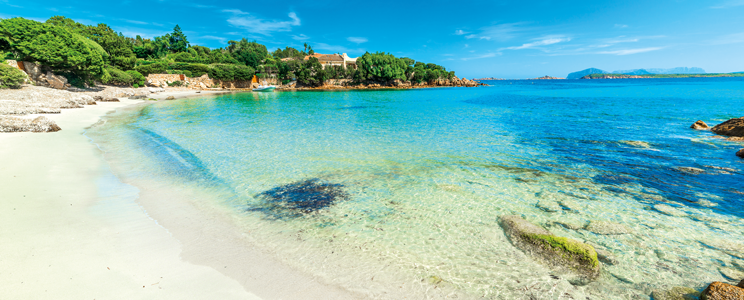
39	124
577	261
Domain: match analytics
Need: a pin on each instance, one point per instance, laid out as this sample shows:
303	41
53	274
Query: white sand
69	229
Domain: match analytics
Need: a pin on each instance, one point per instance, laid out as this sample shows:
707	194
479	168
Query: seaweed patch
302	197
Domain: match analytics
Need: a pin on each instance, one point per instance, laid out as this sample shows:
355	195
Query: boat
264	88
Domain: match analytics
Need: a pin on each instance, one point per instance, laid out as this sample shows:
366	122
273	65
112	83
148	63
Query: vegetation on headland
624	76
86	54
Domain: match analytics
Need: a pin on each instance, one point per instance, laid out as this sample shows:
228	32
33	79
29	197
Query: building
334	60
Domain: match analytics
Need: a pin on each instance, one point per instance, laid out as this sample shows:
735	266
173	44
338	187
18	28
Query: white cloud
631	51
487	55
212	37
252	24
728	4
135	22
500	32
734	38
544	41
621	26
300	37
357	40
460	32
336	49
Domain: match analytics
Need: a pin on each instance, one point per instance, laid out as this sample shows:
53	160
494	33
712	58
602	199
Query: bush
176	83
154	68
231	72
117	77
137	77
184	72
10	77
195	70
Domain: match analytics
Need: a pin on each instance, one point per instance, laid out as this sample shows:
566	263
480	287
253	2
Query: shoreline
78	231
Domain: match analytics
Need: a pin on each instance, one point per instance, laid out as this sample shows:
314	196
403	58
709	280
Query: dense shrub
231	72
196	70
116	77
53	46
137	78
184	72
154	68
10	77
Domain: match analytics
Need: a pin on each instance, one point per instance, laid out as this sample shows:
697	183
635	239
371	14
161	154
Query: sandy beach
72	230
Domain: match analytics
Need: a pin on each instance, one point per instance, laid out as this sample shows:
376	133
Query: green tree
380	67
251	54
118	48
311	73
53	46
177	40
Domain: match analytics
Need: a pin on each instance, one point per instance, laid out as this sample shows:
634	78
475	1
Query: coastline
77	231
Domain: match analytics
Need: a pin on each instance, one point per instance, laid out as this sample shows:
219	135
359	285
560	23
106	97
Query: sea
398	193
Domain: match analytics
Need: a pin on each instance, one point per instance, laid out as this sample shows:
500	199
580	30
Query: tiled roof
326	57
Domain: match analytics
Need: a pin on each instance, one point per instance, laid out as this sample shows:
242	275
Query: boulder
740	153
202	85
56	81
700	125
577	261
607	228
170	98
741	284
34	71
676	293
732	127
722	291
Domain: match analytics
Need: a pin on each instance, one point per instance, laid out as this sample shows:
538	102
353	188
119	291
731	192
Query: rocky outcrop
732	127
700	125
740	153
722	291
741	284
577	261
56	81
39	124
676	293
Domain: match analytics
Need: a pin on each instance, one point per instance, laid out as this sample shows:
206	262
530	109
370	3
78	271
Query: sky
504	39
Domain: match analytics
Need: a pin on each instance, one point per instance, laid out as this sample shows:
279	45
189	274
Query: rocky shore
395	84
732	129
19	108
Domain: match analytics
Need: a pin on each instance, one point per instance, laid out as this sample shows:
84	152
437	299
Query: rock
577	260
735	139
731	274
732	127
741	284
676	293
202	85
156	90
39	124
56	81
97	98
700	125
740	153
170	98
109	100
669	210
548	206
607	228
722	291
606	257
690	170
138	97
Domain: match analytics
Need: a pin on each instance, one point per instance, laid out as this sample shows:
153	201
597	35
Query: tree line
85	54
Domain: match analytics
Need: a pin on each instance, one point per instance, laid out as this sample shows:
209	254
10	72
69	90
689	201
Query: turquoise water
399	192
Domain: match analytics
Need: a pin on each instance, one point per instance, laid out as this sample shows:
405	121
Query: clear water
422	177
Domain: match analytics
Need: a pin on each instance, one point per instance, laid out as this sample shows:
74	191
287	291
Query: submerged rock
669	210
732	127
700	125
740	153
722	291
676	293
548	206
302	197
575	259
731	274
690	170
607	228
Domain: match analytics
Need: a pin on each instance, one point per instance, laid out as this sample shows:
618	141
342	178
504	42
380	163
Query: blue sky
508	39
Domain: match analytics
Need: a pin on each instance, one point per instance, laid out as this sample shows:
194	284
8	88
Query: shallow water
399	192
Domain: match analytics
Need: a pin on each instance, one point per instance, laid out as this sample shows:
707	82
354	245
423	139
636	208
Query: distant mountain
678	70
582	73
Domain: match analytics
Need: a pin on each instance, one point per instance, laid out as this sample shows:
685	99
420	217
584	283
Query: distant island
627	76
679	72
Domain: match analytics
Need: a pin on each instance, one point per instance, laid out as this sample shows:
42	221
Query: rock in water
170	98
575	259
676	293
732	127
301	197
607	228
722	291
741	284
700	125
740	153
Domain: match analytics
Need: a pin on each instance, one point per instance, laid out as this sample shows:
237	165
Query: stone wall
203	82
